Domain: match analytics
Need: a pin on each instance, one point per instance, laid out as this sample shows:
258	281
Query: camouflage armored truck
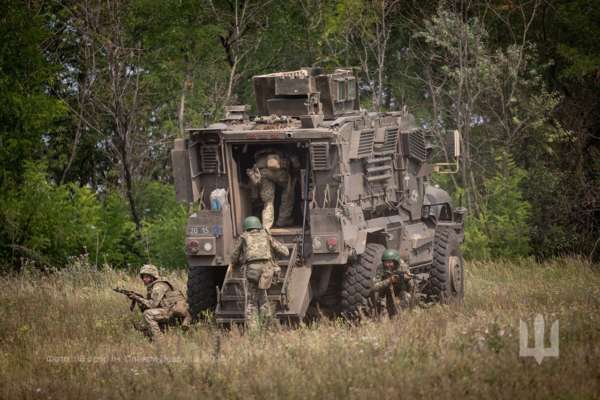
363	185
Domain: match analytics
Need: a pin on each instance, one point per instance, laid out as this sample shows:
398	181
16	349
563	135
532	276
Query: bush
502	228
163	229
116	244
47	223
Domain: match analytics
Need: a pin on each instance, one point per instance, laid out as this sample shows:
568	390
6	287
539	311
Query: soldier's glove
394	279
254	175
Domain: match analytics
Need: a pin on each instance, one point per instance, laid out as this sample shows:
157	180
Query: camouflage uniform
393	292
255	250
279	174
163	303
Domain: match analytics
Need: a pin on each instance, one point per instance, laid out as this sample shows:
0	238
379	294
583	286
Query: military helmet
149	269
252	223
391	255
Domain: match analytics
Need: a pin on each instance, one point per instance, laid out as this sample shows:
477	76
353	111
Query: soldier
392	280
163	303
271	170
255	251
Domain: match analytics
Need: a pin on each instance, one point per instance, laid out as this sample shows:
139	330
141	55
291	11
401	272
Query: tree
119	109
366	27
28	112
242	22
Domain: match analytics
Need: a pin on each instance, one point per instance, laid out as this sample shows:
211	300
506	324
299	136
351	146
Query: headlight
201	246
317	244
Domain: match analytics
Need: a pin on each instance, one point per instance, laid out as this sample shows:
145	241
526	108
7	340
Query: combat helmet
149	269
391	255
252	222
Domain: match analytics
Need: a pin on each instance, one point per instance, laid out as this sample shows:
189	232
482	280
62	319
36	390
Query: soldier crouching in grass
393	284
163	303
254	251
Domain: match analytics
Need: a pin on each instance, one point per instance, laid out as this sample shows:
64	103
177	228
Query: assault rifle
128	293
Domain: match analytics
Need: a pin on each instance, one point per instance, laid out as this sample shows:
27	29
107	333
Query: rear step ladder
232	298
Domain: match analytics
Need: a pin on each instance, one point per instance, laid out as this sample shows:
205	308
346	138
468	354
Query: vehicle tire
201	289
446	280
358	281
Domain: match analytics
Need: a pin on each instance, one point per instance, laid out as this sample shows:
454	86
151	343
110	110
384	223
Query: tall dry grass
67	335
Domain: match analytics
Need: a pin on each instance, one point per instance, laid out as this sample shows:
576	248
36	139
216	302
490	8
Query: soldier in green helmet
163	303
393	282
254	251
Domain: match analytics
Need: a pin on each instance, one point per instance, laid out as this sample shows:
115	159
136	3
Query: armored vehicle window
445	213
341	90
351	89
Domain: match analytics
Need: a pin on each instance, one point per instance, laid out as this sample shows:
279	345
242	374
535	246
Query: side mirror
456	140
453	141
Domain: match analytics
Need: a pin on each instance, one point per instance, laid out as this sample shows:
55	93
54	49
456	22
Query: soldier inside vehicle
271	182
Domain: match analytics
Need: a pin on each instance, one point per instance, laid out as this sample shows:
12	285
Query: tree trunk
185	88
129	185
73	149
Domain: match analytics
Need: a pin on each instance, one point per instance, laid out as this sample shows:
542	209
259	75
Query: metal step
291	295
378	160
378	169
286	231
379	177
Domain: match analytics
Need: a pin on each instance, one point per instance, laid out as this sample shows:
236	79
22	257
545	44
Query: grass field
67	335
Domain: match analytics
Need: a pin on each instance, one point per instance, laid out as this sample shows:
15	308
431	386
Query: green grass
67	335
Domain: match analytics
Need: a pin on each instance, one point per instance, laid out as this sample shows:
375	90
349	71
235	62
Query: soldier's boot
252	318
405	299
252	309
181	310
187	321
267	196
143	328
267	316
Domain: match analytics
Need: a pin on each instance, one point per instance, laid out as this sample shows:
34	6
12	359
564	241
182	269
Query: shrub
45	222
163	231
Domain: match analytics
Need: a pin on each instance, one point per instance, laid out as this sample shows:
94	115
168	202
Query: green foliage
182	56
164	225
501	229
27	111
579	47
48	223
493	69
164	237
477	243
116	241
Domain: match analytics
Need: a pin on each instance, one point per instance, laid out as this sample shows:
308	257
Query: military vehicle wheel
446	282
358	281
201	289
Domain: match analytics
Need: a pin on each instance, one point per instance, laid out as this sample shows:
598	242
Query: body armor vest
257	246
171	296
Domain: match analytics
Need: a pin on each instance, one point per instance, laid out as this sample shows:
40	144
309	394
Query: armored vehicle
362	184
